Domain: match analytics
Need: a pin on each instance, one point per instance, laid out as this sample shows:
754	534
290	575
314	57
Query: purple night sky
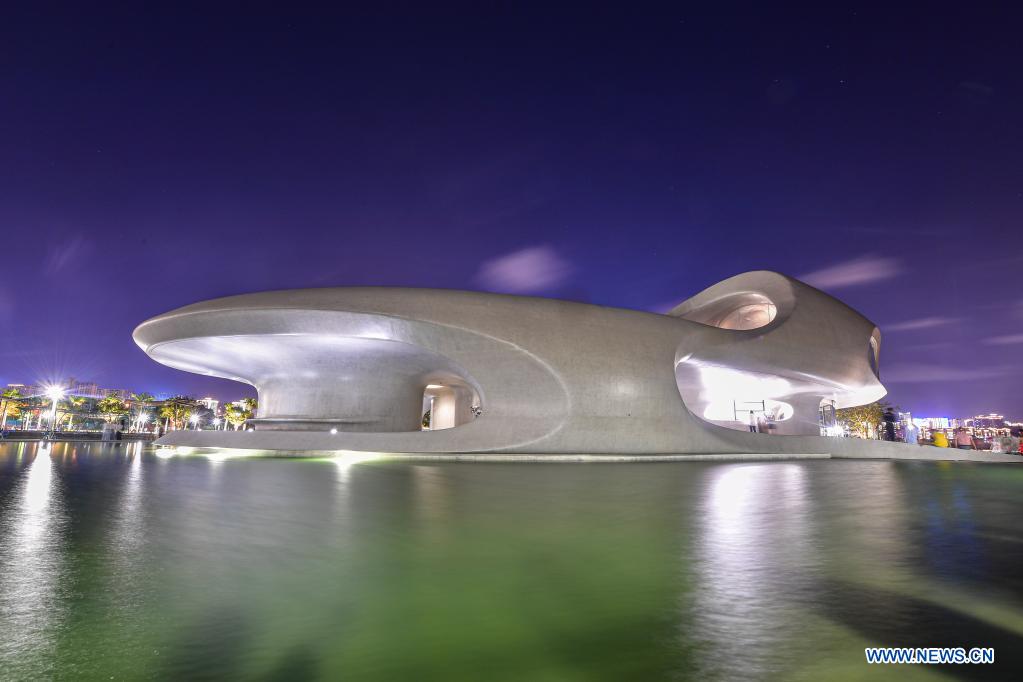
153	158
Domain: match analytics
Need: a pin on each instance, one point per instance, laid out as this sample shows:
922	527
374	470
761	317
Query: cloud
1007	340
921	323
937	345
529	270
63	254
862	270
912	373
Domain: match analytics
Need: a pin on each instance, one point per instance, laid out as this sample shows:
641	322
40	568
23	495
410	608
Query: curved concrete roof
548	375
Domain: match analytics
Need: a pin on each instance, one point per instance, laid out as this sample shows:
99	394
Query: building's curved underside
356	368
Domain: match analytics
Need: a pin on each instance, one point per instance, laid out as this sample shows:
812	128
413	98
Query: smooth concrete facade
356	368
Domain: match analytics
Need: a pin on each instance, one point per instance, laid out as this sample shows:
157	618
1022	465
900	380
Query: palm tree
140	401
176	410
9	404
42	406
237	415
111	408
72	403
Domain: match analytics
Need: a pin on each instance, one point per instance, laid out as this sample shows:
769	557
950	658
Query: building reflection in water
432	495
753	548
952	547
865	521
32	562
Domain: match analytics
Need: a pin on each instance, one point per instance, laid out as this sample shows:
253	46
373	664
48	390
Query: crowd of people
964	440
961	439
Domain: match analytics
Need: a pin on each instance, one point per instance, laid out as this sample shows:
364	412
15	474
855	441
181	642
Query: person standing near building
889	425
1008	445
752	422
963	440
912	433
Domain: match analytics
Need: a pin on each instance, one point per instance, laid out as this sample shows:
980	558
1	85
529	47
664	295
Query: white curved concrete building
357	368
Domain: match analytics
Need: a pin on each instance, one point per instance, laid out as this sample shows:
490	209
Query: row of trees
177	412
10	406
16	407
180	411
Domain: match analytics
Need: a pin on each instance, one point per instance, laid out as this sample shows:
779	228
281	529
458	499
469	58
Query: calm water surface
118	564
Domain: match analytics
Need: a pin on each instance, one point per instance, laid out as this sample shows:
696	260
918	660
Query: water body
118	564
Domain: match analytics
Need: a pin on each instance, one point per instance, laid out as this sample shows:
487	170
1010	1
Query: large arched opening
448	404
736	399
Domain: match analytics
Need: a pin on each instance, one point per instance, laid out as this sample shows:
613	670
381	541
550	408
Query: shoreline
584	458
862	451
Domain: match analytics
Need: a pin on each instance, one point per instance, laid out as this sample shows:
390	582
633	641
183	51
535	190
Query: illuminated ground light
224	454
164	452
341	457
344	459
354	457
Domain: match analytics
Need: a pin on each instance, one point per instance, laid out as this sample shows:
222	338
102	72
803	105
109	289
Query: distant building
72	386
988	421
984	427
933	423
87	389
209	403
122	393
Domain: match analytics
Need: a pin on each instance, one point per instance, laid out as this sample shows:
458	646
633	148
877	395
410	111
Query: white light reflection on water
128	532
432	494
874	520
31	564
346	459
753	547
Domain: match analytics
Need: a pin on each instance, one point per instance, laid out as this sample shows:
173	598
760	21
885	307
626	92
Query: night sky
153	158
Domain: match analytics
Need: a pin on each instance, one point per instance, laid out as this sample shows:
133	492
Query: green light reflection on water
134	566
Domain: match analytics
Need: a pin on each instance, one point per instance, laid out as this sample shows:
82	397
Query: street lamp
194	418
54	393
141	420
216	423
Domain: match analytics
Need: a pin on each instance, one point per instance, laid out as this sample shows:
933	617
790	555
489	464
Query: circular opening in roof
749	316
